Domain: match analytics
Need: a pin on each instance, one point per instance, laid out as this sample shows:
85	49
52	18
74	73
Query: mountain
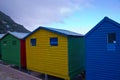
7	24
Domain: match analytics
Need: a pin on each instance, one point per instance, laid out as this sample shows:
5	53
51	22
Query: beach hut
103	51
55	52
13	49
1	35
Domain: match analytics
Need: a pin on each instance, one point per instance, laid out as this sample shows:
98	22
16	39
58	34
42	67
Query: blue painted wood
111	47
101	63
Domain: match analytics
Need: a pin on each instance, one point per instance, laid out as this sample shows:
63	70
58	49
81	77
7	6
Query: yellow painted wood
44	58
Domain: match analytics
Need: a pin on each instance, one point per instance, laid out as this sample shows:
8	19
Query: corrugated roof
65	32
18	34
58	31
1	35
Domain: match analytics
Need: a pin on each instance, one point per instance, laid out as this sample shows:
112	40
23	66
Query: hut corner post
29	71
20	68
68	78
46	77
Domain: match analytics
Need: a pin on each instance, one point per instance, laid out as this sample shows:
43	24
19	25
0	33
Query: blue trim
32	32
33	42
54	30
105	19
54	41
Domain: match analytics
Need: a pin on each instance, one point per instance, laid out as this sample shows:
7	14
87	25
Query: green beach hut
13	49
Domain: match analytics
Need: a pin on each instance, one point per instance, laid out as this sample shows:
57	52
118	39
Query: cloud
32	13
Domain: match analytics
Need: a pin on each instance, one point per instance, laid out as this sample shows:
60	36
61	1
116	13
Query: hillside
7	24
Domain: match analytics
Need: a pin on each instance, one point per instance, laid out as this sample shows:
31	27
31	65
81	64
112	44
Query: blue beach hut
103	51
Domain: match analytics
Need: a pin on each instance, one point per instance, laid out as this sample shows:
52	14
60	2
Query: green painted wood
10	50
76	55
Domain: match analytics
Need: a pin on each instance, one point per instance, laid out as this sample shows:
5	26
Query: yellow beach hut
55	52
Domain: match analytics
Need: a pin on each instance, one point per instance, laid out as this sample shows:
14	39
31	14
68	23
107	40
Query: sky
75	15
